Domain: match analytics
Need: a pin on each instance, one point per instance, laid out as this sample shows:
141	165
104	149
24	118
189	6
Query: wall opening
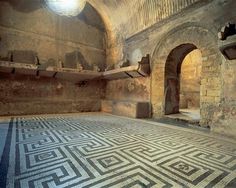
182	80
190	80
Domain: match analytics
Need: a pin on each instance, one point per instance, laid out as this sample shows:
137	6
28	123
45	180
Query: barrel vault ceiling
128	17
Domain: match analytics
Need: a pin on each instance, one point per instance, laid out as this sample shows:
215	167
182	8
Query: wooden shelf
19	68
125	72
61	73
134	71
140	70
228	47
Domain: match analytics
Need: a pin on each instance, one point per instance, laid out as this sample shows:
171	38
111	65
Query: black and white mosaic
107	151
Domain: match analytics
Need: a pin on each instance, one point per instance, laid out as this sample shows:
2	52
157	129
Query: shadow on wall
89	15
75	59
24	5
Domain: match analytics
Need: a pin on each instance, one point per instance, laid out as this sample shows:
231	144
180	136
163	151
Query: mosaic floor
94	151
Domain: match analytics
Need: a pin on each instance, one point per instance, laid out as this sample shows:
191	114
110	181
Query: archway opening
182	81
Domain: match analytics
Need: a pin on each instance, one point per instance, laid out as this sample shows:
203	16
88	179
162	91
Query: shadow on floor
189	118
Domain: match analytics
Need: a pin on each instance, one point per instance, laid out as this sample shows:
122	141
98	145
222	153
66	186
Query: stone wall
27	25
197	25
225	115
128	97
134	90
20	95
190	80
32	27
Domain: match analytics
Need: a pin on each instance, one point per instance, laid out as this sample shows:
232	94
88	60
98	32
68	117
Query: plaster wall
20	95
50	35
135	90
27	25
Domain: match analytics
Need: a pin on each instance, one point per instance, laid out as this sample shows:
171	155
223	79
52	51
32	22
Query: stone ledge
127	108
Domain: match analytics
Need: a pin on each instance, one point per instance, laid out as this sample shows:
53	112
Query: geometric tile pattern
93	151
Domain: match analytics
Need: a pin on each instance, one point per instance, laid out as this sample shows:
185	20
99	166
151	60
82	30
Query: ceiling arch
126	17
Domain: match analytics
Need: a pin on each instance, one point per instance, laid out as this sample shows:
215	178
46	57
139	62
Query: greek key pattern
108	151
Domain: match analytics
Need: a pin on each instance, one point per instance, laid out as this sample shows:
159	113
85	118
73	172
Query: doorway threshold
191	116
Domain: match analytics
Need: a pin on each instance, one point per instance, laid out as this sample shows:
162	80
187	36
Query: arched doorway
172	50
172	81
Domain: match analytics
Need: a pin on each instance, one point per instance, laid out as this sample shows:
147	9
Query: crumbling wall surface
129	90
225	115
20	95
30	26
128	97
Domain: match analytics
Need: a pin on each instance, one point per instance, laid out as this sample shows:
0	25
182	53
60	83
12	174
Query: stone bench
127	108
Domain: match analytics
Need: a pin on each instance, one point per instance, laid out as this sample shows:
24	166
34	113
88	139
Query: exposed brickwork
210	82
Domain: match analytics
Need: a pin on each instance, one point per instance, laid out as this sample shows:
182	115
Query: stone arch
172	77
188	38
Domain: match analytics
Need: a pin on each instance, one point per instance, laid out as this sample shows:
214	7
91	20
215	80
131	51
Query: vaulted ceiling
122	18
127	17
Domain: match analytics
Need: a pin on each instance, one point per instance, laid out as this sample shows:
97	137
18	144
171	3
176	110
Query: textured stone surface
190	80
225	115
126	108
137	89
29	95
107	106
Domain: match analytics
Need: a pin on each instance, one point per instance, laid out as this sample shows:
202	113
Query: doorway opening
182	83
